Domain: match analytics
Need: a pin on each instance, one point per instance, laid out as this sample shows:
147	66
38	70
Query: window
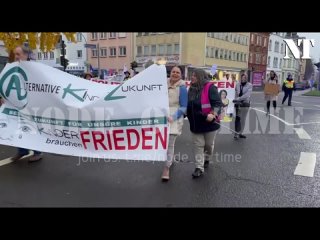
217	53
161	50
230	53
169	49
231	37
45	55
258	58
208	34
122	35
252	38
280	64
226	54
153	50
139	34
213	51
39	55
270	45
122	51
146	50
238	39
113	52
238	57
241	57
275	62
282	50
113	35
207	52
176	48
103	35
264	58
221	53
94	52
139	51
250	58
269	61
79	37
94	36
103	52
245	58
79	53
276	47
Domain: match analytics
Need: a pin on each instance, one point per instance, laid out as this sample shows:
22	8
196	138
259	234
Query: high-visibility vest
288	84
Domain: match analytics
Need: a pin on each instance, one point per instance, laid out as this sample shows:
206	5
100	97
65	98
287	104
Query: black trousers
287	93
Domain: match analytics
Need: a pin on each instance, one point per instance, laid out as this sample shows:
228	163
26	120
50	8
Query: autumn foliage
45	40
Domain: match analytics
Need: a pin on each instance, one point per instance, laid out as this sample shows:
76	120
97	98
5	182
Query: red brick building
258	55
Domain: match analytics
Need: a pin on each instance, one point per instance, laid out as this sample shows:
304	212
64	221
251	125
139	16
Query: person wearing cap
88	76
288	87
127	76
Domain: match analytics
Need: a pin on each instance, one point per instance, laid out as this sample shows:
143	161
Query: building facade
229	51
114	51
258	54
292	65
75	52
276	52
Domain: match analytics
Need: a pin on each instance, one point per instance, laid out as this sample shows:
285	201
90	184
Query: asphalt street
276	166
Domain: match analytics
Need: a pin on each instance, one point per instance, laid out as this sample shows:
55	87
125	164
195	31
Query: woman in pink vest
178	100
204	108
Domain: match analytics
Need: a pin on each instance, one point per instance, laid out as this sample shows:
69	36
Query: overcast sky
314	51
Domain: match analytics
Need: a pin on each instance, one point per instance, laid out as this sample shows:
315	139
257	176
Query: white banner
51	111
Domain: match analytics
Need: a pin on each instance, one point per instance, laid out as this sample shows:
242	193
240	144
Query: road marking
302	133
296	102
5	161
285	122
317	106
306	164
8	160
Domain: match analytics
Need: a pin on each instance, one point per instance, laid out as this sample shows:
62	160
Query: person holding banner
21	53
178	100
204	107
273	80
88	76
242	105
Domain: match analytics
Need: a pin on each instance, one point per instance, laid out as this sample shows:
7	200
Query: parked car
301	86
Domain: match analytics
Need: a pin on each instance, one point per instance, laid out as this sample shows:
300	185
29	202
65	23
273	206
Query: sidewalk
300	93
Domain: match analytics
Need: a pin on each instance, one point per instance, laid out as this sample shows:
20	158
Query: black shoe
197	173
206	164
236	136
289	105
242	136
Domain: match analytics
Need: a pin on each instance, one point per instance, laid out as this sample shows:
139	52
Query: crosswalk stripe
306	164
302	133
